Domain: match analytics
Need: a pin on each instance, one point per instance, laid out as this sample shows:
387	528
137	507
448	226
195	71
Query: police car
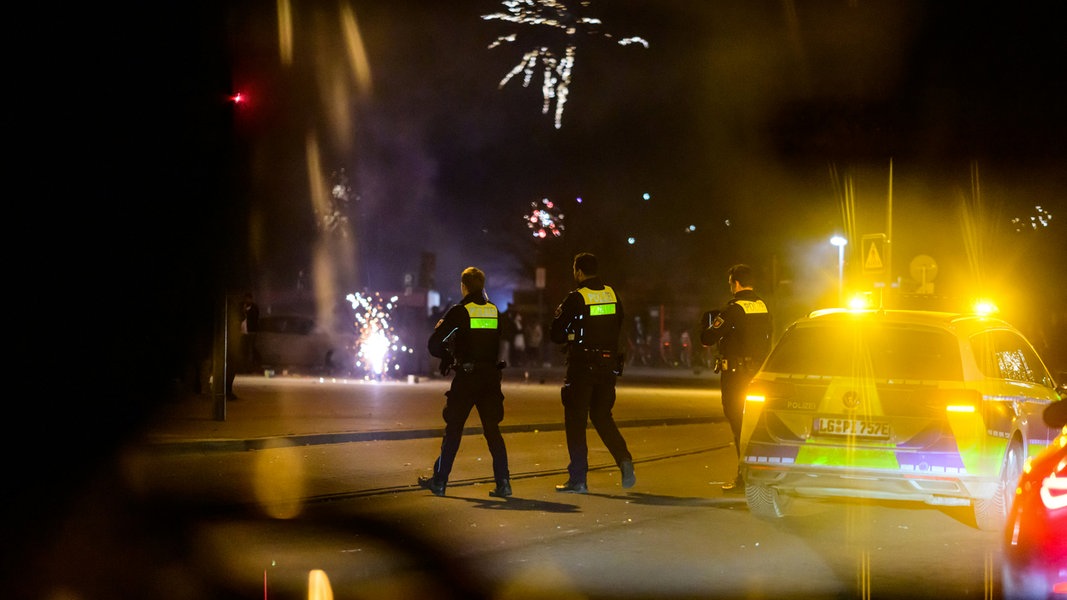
934	407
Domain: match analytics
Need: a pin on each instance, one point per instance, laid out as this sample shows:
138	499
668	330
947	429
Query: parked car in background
925	406
1035	537
299	344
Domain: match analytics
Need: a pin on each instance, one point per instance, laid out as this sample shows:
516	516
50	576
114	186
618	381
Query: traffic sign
873	253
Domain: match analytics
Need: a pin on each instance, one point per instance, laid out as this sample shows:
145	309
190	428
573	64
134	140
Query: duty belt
468	367
604	353
595	359
732	364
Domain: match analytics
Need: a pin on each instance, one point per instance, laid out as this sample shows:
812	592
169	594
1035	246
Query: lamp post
840	242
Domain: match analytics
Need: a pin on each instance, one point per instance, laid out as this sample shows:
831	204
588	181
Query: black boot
572	487
736	486
433	484
628	477
503	489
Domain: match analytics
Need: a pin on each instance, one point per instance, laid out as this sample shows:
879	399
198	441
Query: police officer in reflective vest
589	322
742	332
467	340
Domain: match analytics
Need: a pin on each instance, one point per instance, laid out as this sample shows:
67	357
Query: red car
1035	538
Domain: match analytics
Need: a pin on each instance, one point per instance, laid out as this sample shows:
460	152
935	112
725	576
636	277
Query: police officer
742	332
467	340
589	322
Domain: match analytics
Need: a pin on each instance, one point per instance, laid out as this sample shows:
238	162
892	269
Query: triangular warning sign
874	260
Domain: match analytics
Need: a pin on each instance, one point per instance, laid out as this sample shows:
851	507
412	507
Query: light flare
985	307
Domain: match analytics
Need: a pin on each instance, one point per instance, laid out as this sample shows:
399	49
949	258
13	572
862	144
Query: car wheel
766	502
991	514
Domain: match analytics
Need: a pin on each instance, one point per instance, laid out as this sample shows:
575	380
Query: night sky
743	119
751	122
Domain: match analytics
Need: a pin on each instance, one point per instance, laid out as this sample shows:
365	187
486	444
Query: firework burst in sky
555	63
545	219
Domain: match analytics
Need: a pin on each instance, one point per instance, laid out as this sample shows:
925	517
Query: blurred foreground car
1035	538
298	343
935	407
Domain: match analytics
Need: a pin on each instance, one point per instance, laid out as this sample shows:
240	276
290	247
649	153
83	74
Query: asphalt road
210	521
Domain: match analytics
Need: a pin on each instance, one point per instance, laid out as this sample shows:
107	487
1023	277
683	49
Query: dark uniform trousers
588	394
479	388
733	381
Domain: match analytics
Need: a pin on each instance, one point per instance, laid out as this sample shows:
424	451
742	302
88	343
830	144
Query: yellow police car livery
936	407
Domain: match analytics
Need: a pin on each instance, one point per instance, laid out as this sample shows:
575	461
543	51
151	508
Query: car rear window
1006	355
868	350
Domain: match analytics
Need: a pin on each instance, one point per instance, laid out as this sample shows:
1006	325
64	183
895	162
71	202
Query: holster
446	364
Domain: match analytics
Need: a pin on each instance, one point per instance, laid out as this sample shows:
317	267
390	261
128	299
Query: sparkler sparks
556	66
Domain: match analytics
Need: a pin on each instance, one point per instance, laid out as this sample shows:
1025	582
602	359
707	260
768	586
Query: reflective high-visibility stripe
600	302
751	306
483	316
601	309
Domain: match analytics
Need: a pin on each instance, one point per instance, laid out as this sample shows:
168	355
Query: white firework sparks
1041	219
378	347
556	66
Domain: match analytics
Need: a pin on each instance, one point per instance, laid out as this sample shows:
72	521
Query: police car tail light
958	402
759	390
961	409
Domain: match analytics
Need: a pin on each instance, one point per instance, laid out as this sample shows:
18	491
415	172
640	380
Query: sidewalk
267	414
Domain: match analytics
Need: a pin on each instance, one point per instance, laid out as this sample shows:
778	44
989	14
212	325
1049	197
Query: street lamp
840	242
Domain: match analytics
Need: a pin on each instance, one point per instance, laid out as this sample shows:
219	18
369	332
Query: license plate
853	427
